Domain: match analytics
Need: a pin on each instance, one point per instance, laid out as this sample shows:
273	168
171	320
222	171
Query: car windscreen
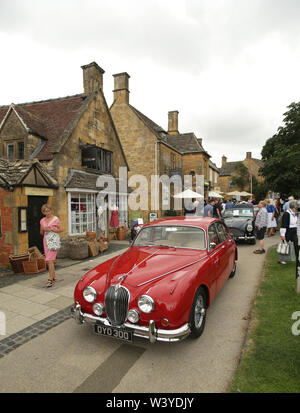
238	212
171	236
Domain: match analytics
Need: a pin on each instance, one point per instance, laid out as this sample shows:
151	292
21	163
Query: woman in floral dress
49	223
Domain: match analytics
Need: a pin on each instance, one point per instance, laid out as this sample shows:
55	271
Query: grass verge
270	362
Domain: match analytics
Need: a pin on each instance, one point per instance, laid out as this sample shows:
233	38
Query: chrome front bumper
151	333
251	237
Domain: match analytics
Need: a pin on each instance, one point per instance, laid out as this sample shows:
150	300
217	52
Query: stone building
62	146
227	171
152	150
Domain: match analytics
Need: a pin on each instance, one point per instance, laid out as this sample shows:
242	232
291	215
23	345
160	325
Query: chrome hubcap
199	311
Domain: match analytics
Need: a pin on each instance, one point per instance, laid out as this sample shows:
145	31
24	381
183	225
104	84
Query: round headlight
98	308
133	316
146	304
249	228
89	294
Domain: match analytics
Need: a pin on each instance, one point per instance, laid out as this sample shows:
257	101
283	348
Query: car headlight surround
89	294
249	228
146	304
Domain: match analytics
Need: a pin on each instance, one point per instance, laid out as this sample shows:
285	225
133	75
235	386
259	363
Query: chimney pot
121	87
224	160
92	77
173	122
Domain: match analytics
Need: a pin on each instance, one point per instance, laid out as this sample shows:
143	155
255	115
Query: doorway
34	215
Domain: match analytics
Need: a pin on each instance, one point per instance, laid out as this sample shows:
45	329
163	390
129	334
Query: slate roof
229	167
182	143
12	173
49	119
85	180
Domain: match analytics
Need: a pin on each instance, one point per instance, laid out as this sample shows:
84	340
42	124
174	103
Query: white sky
230	67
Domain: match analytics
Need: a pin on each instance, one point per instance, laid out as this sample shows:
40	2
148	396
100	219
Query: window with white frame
82	207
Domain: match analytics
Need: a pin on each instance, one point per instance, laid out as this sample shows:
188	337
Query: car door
226	254
215	255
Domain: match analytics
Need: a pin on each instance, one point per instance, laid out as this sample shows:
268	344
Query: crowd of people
267	217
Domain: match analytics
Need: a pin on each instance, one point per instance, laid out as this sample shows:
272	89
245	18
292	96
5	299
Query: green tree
241	176
281	155
260	189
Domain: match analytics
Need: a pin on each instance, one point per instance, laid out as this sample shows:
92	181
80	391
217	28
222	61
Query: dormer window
97	158
10	150
20	150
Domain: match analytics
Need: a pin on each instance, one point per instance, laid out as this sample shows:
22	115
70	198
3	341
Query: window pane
83	213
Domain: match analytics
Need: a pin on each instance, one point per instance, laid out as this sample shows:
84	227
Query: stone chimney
248	155
224	160
92	77
121	87
173	122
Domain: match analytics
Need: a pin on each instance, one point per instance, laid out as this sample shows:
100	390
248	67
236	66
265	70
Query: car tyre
198	313
232	274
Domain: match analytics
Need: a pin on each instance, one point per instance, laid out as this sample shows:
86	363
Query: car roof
243	205
194	221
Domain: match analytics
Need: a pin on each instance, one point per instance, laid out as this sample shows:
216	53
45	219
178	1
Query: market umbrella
244	193
188	193
234	193
213	194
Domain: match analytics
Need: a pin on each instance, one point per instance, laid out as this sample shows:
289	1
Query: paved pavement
26	302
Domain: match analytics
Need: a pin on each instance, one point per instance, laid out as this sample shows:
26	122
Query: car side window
223	235
212	235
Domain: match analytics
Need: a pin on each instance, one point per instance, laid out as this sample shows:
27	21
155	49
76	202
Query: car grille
236	232
116	304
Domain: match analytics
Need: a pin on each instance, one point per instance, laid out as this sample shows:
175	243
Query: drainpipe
156	173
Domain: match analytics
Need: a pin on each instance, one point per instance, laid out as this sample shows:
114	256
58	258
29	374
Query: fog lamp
133	316
98	308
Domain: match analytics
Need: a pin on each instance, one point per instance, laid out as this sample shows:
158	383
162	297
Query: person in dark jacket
288	230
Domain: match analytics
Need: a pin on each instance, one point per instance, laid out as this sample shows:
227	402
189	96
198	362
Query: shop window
82	207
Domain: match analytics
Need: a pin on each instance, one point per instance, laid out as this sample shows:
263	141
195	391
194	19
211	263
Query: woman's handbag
283	248
52	240
288	254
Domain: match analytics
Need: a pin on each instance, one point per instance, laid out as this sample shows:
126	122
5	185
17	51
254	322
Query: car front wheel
198	313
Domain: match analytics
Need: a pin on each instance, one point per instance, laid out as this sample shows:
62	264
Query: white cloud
230	67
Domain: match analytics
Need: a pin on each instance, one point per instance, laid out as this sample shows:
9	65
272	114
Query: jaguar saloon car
240	221
161	287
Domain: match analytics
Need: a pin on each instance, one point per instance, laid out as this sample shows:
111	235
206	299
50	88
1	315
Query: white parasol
188	193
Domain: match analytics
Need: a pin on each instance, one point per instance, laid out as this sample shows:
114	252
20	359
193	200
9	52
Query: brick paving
28	309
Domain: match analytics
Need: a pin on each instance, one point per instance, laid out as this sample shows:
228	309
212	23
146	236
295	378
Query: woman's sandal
49	283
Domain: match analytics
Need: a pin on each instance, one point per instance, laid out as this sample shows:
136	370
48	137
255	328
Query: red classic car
161	287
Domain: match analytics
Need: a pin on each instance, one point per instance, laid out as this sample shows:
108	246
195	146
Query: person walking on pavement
261	223
272	224
288	230
209	208
47	224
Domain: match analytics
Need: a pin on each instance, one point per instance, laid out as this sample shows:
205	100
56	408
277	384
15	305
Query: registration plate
121	334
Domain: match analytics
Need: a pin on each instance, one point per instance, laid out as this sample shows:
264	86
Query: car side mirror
212	245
